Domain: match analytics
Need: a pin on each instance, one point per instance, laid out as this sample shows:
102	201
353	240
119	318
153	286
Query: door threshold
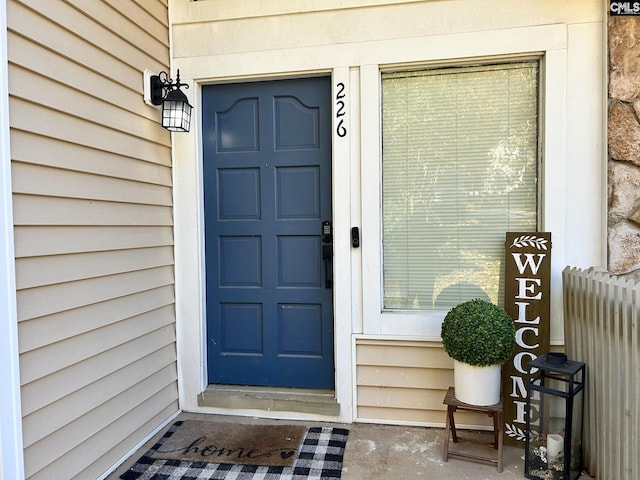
300	400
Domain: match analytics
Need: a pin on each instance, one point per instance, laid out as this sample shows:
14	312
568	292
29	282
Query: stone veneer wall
624	146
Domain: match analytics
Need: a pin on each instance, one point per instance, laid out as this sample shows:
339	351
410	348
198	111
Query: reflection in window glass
459	170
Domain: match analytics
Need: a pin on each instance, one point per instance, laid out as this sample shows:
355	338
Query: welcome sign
526	300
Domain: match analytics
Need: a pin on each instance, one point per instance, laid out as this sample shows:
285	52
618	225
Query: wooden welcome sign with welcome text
526	300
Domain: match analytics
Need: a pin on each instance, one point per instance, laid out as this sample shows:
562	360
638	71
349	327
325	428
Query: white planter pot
477	385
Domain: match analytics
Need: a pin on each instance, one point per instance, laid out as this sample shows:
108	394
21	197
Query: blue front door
267	192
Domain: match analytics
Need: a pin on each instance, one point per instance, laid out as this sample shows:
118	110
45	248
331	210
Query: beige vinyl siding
93	199
405	382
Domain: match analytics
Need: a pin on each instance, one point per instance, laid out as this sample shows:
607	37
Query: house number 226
341	130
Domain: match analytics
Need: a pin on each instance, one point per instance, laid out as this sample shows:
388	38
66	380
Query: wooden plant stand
495	411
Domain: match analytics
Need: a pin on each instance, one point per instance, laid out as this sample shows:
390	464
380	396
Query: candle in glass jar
555	445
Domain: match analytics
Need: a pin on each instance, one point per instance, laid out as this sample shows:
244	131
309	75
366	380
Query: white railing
601	315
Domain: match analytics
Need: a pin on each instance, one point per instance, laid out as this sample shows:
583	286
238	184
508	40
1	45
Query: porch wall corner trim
11	443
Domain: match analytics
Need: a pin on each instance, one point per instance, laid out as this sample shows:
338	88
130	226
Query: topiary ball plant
478	333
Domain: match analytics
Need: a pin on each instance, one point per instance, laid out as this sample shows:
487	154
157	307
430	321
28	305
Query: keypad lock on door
327	252
327	234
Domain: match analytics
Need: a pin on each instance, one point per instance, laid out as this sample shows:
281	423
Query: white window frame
547	42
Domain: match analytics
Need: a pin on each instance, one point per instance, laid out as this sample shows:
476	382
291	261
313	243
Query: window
459	170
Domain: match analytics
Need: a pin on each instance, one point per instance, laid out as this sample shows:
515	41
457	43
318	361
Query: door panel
267	186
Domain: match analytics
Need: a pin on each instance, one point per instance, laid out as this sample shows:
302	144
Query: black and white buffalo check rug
320	457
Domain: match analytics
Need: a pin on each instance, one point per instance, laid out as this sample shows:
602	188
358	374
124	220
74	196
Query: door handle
327	254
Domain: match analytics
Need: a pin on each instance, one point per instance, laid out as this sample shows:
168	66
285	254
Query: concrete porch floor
388	452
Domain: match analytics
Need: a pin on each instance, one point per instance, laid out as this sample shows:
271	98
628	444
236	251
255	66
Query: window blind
459	170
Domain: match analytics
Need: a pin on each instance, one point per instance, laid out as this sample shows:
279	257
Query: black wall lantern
176	110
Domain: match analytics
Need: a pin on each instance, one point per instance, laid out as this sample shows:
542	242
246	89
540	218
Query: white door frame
189	256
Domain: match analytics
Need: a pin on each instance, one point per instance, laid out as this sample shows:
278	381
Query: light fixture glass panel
176	115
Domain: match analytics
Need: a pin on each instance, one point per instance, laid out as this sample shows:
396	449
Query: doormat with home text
221	450
195	441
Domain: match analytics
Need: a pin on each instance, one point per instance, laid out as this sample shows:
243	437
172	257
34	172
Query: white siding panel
37	58
402	381
93	109
44	422
68	352
391	415
85	426
67	466
70	239
36	180
50	123
156	8
153	15
51	270
58	326
280	28
45	391
103	24
34	210
108	27
92	178
37	302
118	63
429	355
127	428
432	418
408	398
34	149
393	376
229	9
